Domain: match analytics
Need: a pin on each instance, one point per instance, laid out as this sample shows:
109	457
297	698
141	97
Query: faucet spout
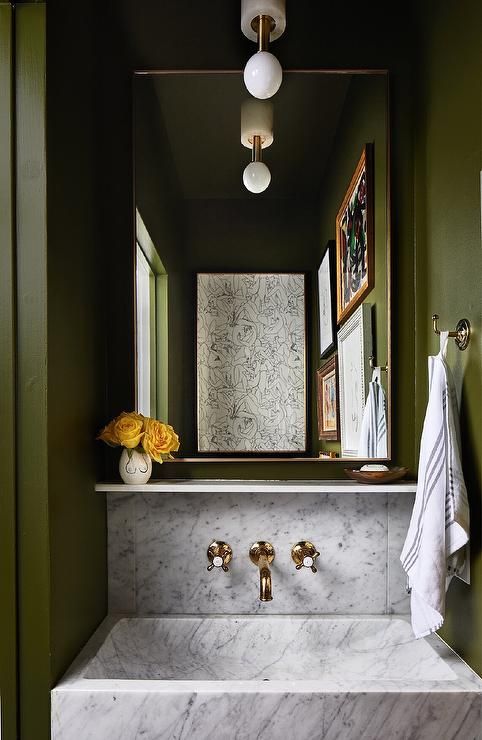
262	554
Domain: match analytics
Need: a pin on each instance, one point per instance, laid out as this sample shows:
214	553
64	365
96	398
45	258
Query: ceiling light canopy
263	21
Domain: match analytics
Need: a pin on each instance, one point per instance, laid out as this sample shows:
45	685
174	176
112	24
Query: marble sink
264	677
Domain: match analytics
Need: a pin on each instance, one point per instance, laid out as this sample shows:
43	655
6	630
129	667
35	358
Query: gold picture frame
327	400
355	275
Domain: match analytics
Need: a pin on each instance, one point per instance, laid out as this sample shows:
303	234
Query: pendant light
263	21
256	134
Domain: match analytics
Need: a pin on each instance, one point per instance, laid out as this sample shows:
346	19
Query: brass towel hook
371	360
461	333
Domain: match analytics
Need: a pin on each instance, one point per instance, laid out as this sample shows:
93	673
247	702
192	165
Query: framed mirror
244	299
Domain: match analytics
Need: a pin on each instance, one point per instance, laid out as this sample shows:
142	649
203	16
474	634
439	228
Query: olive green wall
76	371
8	600
31	429
363	121
448	163
60	379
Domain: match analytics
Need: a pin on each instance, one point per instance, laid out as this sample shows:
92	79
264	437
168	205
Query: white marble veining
349	531
269	649
399	513
164	559
121	563
351	691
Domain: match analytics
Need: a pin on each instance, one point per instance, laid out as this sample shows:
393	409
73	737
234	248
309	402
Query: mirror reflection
262	263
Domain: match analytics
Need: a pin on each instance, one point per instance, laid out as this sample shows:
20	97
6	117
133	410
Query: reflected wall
189	193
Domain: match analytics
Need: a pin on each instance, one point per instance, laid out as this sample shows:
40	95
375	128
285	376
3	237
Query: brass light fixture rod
263	25
256	155
461	333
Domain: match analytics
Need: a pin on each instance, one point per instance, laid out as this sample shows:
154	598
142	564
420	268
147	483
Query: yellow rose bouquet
144	439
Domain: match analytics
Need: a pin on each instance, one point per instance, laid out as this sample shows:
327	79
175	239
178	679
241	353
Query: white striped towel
373	432
439	528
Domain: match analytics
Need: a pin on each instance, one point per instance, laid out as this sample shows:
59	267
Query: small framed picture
354	239
326	296
354	350
327	400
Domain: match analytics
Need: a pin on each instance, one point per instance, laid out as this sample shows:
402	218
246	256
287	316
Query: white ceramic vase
135	466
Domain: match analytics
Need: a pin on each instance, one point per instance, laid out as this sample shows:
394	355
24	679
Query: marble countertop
255	486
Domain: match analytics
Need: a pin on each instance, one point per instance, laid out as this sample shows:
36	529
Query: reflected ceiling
197	121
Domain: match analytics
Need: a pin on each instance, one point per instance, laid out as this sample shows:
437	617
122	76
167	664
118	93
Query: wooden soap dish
377	476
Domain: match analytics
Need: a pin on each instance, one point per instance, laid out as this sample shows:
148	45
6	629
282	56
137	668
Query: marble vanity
187	654
266	677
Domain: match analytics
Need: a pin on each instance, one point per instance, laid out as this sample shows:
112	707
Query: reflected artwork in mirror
251	367
242	301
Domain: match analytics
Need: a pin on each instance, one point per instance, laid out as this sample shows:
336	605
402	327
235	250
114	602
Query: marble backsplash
157	552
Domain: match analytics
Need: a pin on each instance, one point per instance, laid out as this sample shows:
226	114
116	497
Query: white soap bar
373	467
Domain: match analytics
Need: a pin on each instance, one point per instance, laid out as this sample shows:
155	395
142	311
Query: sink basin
275	649
183	678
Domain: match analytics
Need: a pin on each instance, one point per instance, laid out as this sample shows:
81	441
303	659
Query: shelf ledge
256	486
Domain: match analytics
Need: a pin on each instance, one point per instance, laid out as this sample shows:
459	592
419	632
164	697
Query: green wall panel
60	369
32	443
448	163
76	380
8	615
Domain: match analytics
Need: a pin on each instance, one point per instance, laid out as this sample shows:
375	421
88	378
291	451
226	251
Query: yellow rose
129	429
108	435
159	439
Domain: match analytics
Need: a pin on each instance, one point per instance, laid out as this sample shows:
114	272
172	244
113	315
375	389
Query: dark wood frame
365	163
321	373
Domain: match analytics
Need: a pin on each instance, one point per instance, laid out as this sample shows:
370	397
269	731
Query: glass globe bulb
256	177
263	75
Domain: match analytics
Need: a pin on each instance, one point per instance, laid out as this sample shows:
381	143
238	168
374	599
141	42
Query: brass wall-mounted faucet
262	554
304	554
219	555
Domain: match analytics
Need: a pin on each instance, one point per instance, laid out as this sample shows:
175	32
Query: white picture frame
251	363
326	307
354	350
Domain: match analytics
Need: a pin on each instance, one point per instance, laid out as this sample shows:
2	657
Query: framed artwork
327	400
326	295
354	350
251	363
354	239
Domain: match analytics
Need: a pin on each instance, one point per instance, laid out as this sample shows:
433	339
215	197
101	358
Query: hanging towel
373	432
434	550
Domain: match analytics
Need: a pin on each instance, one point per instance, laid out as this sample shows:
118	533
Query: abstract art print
354	349
327	400
251	364
326	293
354	239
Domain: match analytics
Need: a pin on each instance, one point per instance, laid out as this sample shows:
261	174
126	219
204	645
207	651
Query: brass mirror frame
318	71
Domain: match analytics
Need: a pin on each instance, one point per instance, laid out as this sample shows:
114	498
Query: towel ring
461	333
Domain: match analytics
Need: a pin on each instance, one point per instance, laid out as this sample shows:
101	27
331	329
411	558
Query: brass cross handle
304	555
219	555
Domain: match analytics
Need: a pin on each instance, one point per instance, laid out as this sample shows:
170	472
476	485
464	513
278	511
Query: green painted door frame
8	597
33	567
